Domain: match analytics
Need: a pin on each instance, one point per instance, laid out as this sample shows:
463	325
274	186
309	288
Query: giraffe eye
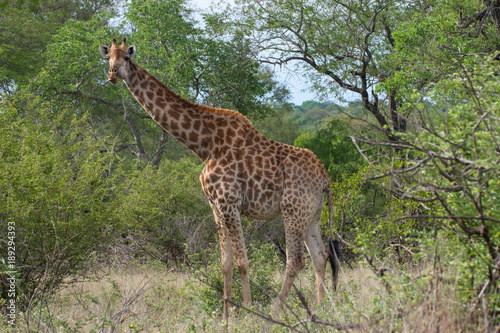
127	58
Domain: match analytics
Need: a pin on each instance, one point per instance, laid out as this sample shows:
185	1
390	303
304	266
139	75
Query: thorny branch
284	41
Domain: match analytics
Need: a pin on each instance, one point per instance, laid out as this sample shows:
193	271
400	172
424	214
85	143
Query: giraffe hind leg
294	259
318	253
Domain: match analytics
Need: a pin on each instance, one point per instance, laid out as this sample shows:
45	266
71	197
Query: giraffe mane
219	111
197	106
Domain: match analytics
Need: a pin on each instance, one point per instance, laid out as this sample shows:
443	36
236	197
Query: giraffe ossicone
245	173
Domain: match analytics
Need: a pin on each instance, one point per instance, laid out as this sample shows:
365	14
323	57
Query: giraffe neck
202	129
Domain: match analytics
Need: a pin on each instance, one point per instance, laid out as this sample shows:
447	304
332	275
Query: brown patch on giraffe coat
193	136
175	114
161	103
197	125
249	161
187	123
160	91
230	133
173	125
206	131
259	162
164	117
241	132
183	136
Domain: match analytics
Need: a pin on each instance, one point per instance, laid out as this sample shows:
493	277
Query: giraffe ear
131	51
104	50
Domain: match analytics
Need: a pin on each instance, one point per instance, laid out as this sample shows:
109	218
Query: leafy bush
446	171
457	159
164	211
55	187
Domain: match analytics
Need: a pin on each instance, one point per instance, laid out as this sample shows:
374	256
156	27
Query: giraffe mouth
112	80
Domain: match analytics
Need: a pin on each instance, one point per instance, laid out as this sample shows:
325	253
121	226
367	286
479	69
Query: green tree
342	46
27	28
445	71
454	173
203	64
279	125
334	147
437	41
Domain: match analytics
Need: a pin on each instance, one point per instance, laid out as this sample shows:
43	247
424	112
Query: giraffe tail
333	244
333	256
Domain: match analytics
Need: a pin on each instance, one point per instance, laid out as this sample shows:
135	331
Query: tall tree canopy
59	60
370	48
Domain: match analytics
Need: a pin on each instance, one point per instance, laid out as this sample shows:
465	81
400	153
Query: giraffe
245	173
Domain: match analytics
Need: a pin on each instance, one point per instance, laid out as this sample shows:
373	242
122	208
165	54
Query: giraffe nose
112	78
112	75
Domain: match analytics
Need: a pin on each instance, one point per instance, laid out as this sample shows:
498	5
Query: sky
294	82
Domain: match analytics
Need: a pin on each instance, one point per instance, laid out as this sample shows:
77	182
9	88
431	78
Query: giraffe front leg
235	232
227	269
231	231
227	262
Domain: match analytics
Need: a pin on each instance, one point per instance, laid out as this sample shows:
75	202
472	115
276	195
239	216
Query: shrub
164	211
54	186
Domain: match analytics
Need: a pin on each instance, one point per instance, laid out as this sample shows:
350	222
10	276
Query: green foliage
54	186
263	286
279	125
164	208
334	147
427	46
27	28
198	63
463	170
310	114
72	60
444	179
366	216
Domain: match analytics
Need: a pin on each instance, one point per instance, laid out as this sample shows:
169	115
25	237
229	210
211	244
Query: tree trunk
158	155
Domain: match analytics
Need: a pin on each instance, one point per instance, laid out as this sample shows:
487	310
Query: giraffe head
118	57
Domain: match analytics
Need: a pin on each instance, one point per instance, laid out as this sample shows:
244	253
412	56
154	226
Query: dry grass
147	299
